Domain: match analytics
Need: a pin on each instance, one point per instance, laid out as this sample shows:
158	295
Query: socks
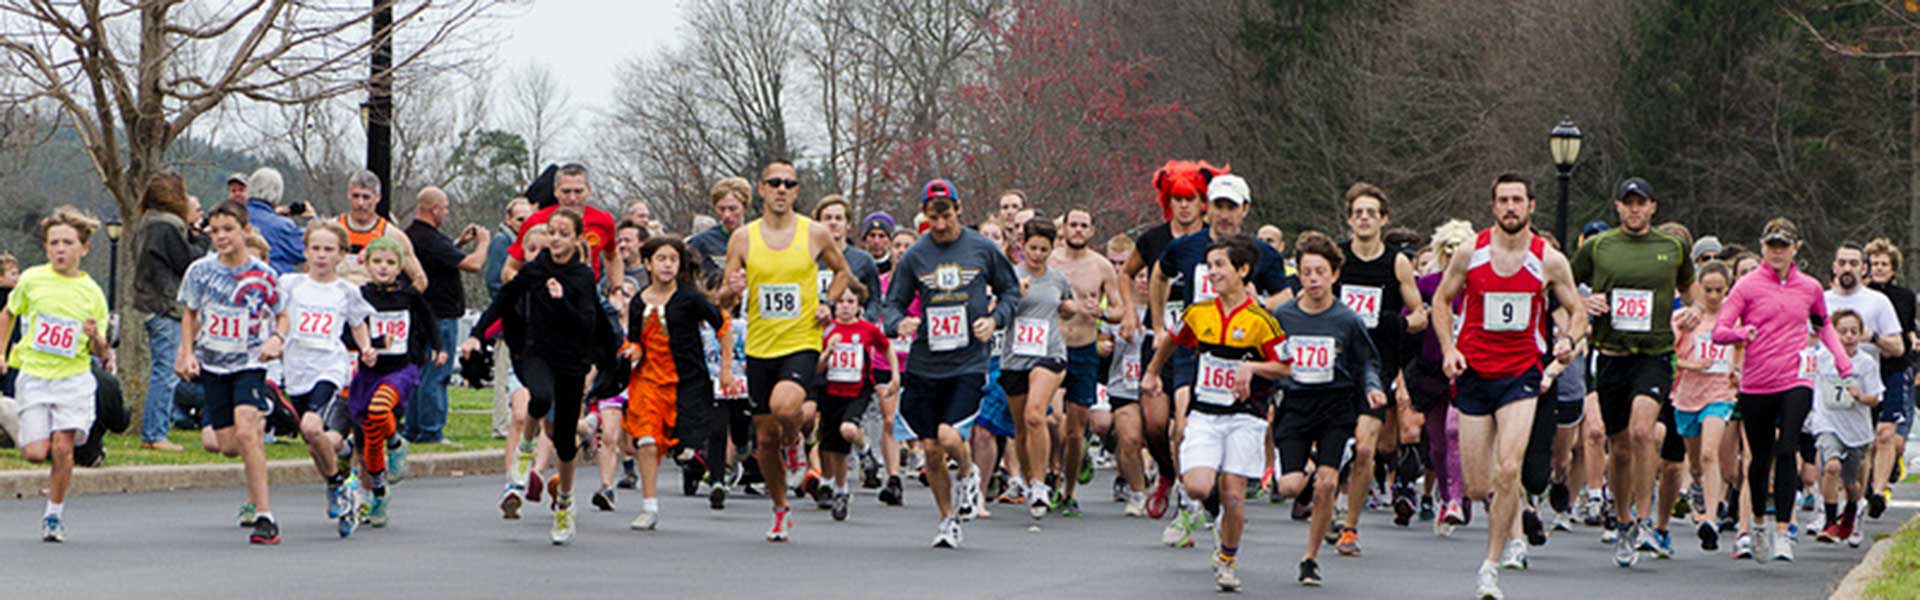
1833	513
1227	553
338	479
564	500
55	509
266	515
651	505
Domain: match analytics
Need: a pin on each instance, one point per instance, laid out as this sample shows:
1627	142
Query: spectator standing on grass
443	261
164	247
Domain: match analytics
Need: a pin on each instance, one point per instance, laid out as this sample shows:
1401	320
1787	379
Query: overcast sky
582	41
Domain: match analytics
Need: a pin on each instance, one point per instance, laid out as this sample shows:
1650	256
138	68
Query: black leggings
1763	414
1536	470
556	392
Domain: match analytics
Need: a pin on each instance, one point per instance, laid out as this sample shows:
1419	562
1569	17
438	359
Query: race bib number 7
57	335
1632	310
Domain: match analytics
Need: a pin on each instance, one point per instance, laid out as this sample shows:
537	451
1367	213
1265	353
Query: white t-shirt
317	315
1876	313
1834	410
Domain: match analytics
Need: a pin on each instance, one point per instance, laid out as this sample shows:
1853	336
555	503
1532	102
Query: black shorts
926	403
835	410
1478	397
1015	382
765	373
739	418
324	399
1619	379
1314	425
1672	447
882	377
1083	375
226	391
1427	385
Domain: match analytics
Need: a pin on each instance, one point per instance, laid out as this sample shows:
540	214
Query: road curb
1854	585
150	478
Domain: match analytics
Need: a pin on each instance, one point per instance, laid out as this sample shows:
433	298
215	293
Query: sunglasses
777	183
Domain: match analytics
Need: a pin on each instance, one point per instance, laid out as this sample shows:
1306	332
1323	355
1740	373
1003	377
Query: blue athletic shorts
1687	424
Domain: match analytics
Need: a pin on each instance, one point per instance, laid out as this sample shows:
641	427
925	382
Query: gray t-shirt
951	281
1875	310
1352	364
1034	334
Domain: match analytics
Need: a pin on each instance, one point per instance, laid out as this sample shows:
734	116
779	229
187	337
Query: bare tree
540	109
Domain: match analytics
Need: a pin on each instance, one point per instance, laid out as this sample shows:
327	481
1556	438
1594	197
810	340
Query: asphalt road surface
447	540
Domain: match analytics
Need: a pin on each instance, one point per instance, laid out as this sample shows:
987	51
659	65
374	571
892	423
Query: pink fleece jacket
1769	312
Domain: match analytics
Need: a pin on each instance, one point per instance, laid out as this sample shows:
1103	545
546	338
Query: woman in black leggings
554	296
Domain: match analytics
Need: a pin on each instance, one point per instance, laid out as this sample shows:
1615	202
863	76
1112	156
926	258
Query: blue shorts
1476	397
1687	424
226	391
926	403
1184	368
1896	403
1083	375
995	416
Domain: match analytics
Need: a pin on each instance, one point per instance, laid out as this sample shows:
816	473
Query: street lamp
113	259
1564	141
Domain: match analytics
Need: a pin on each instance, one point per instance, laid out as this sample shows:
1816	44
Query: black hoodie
572	329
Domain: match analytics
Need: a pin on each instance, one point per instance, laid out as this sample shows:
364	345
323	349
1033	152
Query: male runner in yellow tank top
773	264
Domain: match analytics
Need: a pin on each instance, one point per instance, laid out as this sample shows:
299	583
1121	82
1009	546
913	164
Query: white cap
1230	187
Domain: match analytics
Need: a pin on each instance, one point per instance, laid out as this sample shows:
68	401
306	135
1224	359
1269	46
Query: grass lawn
467	426
1900	574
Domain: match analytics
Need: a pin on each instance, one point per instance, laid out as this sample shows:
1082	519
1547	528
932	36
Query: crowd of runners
997	356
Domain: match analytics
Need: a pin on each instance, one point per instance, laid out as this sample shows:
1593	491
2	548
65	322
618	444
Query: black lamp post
1565	143
113	259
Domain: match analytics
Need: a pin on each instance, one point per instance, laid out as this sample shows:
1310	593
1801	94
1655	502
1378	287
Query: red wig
1182	179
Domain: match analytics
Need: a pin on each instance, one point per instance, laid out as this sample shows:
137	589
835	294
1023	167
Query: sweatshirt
949	279
1778	306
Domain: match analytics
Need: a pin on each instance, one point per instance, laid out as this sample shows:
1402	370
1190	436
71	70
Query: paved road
447	540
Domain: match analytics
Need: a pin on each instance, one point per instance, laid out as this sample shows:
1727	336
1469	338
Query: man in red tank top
1494	359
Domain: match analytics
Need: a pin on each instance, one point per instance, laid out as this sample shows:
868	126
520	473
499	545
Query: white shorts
1233	444
49	405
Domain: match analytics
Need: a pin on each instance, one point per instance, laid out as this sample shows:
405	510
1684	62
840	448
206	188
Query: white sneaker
1037	498
795	457
1136	505
1763	537
646	521
1782	547
1858	537
949	535
1224	577
1515	558
1489	588
562	526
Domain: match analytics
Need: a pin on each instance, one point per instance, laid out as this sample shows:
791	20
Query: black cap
1635	186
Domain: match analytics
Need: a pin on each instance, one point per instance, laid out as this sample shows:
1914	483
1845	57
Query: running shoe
840	506
1349	544
1782	547
689	480
1763	539
782	526
629	475
869	472
1562	522
349	519
1403	510
562	526
1454	515
717	496
1086	470
535	483
1697	496
1743	547
1662	544
1877	503
1830	534
1560	497
891	494
1157	498
1535	530
1179	531
1136	505
397	458
1426	509
1515	557
1793	532
1070	508
1442	528
1120	490
949	535
1333	532
53	529
1037	503
265	532
1302	505
1856	537
1681	508
1310	573
335	503
794	459
377	513
1624	554
603	500
1224	577
553	491
647	520
1591	511
973	499
1709	536
1489	583
1015	494
247	515
1643	537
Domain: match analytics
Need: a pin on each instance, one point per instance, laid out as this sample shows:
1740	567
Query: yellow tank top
782	294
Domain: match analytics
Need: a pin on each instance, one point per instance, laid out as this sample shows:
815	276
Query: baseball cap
1230	187
1780	230
1635	186
878	220
1594	227
240	178
939	189
1706	246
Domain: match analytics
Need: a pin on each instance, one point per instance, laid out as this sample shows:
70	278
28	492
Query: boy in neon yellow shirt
62	309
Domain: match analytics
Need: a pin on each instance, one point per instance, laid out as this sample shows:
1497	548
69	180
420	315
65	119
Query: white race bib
1719	358
779	300
1364	300
314	326
57	335
1130	367
1030	336
225	328
1632	310
1506	311
1809	367
1202	286
946	328
394	325
1312	358
1173	315
1837	397
844	363
826	281
1216	378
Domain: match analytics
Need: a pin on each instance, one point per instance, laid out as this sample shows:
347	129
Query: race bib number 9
1632	310
1364	300
946	328
1030	336
225	330
779	300
1216	380
844	363
1312	359
396	326
57	335
1507	312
